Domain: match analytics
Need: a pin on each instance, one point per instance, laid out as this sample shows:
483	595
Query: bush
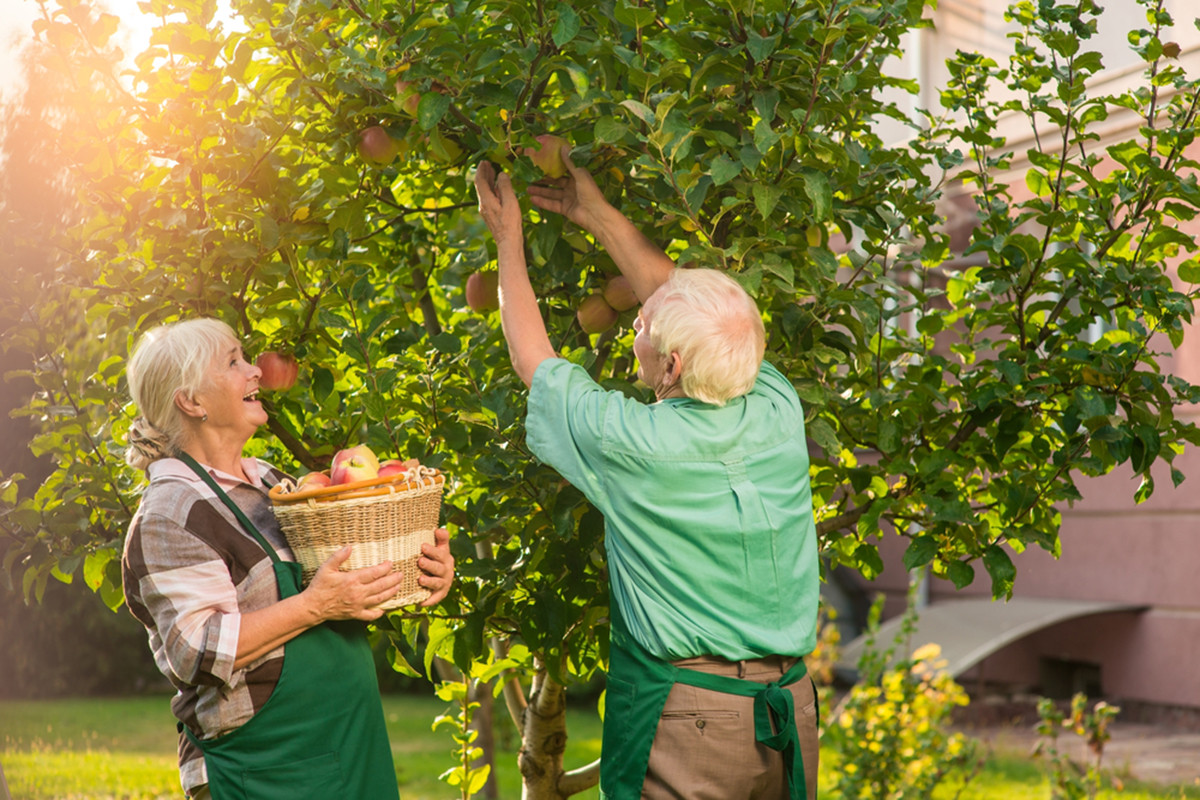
891	731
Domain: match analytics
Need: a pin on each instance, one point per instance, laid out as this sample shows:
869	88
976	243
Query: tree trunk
543	740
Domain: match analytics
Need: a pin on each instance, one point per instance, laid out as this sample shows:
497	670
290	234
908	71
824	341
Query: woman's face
231	398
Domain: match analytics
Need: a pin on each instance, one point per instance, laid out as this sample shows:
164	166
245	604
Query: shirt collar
174	468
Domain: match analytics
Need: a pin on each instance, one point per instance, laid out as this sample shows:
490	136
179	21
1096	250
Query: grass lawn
124	749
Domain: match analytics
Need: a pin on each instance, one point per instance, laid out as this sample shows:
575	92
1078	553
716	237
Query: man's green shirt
708	510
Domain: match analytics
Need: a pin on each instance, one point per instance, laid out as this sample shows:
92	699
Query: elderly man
708	515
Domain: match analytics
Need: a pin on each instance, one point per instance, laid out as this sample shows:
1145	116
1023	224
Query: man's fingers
485	181
566	157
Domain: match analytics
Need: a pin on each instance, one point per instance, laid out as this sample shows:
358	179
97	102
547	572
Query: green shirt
708	510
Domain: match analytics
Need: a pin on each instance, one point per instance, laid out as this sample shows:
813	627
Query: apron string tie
774	715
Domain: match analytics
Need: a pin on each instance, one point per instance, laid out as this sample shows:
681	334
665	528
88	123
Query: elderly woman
277	692
708	515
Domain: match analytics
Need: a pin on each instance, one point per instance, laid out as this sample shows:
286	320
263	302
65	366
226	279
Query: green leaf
634	16
921	550
322	383
867	560
1090	402
760	47
889	435
1000	568
816	186
961	574
1189	271
640	110
724	169
821	432
94	565
766	198
608	130
431	109
566	27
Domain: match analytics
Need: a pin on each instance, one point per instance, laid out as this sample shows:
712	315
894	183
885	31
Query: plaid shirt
190	572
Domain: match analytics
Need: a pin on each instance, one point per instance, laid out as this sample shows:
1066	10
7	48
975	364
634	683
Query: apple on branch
354	464
279	370
619	294
483	290
548	155
377	146
595	315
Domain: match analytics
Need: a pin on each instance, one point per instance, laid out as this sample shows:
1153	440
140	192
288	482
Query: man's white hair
715	326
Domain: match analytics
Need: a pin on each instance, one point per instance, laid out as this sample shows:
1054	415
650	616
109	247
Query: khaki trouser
704	748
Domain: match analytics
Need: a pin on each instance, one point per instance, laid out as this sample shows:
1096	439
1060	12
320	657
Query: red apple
595	314
354	464
394	466
548	156
313	480
483	290
376	146
619	294
279	370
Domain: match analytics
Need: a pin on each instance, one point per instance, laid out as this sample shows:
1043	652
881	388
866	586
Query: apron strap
774	715
232	506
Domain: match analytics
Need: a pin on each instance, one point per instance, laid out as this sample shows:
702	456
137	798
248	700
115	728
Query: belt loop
742	668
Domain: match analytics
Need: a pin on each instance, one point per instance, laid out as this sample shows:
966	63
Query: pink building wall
1113	550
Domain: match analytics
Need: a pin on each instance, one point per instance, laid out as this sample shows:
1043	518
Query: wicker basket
385	519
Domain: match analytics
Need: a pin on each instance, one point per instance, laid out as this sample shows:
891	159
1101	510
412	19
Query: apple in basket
313	480
354	464
394	466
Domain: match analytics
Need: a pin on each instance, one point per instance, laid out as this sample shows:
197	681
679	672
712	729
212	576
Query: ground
1160	748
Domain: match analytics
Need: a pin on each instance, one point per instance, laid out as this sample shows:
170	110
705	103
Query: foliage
952	397
71	645
1072	779
891	731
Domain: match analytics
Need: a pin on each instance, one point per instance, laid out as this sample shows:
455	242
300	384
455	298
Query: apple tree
302	170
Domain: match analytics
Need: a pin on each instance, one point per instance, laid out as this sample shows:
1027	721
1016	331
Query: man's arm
577	197
528	343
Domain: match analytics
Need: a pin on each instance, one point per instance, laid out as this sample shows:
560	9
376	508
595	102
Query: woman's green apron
637	688
321	734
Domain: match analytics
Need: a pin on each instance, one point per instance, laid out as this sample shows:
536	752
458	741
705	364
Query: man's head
706	334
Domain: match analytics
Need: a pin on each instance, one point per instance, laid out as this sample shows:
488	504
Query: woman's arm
332	594
521	320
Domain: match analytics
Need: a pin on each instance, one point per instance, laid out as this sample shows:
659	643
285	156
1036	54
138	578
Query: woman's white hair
167	360
706	317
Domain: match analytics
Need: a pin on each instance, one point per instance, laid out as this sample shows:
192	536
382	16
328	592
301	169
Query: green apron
321	734
637	689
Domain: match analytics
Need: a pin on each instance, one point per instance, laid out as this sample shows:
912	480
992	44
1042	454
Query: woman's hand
334	594
576	196
438	566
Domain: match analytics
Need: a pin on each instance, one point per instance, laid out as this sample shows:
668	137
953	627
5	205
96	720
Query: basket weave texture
383	519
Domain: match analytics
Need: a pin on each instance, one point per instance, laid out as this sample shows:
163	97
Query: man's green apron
637	688
321	734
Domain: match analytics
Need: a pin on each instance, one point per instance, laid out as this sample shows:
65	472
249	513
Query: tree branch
579	780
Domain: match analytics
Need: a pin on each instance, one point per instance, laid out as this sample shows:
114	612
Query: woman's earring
204	418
